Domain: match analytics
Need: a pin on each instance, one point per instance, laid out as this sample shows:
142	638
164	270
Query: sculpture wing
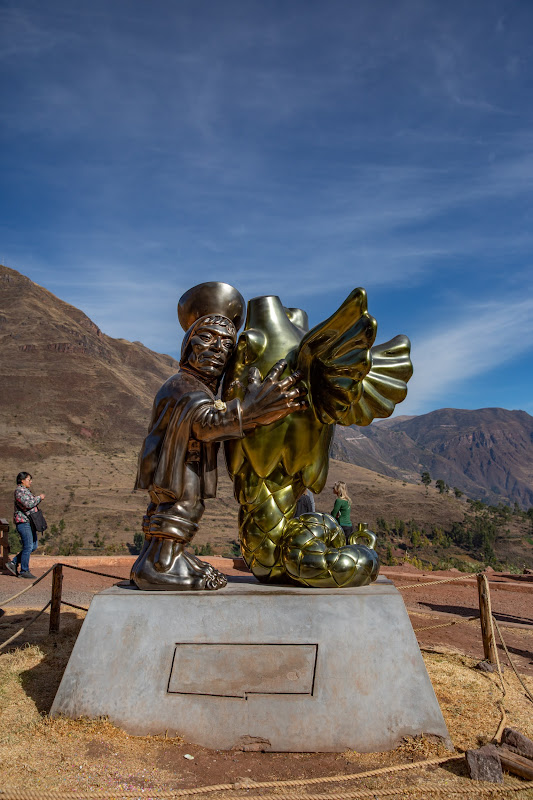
385	385
349	381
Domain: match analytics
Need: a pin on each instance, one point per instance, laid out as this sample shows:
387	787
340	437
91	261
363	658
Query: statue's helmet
211	298
211	301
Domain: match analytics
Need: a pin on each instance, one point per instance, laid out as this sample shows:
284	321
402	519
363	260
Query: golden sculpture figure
349	382
277	443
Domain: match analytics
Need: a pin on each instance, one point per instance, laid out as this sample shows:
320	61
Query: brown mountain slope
61	377
486	453
74	407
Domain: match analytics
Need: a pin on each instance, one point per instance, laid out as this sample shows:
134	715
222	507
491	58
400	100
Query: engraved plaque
235	670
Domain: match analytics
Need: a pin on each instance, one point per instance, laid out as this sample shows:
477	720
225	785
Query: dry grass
36	751
468	699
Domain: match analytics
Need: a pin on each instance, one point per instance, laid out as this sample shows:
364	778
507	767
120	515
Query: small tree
234	551
382	524
457	492
98	541
235	548
70	547
441	486
138	541
203	550
426	480
416	538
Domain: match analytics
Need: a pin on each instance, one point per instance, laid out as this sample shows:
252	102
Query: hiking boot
27	574
12	568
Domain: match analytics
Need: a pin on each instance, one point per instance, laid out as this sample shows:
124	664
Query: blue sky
296	148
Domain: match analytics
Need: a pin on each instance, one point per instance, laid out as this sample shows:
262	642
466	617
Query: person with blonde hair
342	508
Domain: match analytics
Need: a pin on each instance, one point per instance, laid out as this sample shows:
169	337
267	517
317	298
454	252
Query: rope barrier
293	782
21	630
498	665
63	602
91	571
73	605
27	589
234	790
59	564
418	792
447	624
501	707
433	583
528	693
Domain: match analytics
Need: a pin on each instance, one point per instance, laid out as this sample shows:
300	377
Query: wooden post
515	763
55	606
4	543
489	645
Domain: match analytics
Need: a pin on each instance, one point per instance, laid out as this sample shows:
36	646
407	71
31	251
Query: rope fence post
55	607
485	614
4	543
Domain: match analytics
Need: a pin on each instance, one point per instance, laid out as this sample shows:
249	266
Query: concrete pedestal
254	667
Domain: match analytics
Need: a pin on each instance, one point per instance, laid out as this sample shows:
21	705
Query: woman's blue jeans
29	544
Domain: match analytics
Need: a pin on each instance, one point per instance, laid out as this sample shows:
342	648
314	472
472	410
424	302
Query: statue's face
211	346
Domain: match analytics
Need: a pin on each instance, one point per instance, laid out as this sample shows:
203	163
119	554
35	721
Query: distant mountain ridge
487	453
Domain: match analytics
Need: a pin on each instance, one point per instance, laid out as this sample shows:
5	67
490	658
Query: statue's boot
164	565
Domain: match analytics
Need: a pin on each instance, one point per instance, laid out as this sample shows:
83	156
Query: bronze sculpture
272	454
178	460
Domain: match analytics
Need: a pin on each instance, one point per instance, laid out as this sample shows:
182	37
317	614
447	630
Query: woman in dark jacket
24	501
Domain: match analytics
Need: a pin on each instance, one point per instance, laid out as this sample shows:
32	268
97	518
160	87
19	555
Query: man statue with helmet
178	459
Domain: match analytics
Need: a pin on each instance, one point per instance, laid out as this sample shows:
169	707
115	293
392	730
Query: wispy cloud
471	340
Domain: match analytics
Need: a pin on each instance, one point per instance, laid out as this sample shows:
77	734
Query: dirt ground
81	754
437	604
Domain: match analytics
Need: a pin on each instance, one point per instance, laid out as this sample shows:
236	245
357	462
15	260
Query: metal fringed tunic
186	426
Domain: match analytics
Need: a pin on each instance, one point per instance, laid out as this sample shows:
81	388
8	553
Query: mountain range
487	453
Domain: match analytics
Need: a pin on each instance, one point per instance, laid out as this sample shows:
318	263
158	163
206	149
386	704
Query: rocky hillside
487	453
63	381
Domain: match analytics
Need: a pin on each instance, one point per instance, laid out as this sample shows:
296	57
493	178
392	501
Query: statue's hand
272	399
